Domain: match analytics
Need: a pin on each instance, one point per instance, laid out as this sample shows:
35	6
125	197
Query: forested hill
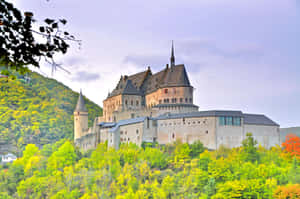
38	111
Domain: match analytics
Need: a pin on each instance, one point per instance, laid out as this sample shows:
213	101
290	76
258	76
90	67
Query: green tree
64	156
249	150
196	148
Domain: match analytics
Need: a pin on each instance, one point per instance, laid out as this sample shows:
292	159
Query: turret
80	118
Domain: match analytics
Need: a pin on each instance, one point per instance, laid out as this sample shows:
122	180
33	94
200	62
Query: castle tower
80	118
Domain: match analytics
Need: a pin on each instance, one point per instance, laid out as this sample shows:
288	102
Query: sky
239	55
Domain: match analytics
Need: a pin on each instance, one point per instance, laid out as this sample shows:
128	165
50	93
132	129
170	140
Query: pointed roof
172	59
80	107
130	89
176	76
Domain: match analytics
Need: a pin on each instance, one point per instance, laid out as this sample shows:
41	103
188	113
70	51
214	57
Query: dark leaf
49	21
63	21
42	29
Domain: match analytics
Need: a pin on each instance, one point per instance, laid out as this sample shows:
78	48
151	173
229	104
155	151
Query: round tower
80	118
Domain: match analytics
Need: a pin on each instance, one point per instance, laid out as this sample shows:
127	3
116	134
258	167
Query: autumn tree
292	145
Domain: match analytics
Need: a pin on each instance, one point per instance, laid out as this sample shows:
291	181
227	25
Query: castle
147	107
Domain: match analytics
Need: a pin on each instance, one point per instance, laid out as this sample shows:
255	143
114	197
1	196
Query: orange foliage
289	191
292	145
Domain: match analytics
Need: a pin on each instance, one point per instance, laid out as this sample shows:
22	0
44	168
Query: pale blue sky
241	55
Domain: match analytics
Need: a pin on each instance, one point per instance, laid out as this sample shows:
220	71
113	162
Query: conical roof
80	107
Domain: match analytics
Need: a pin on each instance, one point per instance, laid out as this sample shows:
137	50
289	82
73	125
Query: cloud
74	61
245	51
156	62
83	76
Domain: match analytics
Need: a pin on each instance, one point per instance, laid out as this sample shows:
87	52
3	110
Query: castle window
186	100
229	121
191	100
137	102
167	100
206	132
137	131
121	132
173	135
194	122
175	100
132	115
222	121
181	100
125	132
183	120
128	139
131	102
198	122
166	90
159	101
121	139
126	102
237	121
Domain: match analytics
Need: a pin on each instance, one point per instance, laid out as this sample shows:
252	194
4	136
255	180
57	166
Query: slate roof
176	76
107	124
80	107
146	82
255	119
126	122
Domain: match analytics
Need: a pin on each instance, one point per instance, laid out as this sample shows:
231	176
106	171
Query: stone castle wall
80	124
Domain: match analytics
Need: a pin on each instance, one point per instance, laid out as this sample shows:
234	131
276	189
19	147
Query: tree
289	191
19	46
64	156
249	151
292	145
196	148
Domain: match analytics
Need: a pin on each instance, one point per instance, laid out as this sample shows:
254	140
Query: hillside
39	111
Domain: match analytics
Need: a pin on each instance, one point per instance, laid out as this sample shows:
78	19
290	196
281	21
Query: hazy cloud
83	76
